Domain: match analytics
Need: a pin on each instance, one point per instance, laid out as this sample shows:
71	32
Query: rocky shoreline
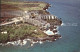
32	41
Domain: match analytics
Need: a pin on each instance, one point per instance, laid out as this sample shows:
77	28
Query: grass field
25	5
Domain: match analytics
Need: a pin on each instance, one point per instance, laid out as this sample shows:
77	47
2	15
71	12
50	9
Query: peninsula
27	21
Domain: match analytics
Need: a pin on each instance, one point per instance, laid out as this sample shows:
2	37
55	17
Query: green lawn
16	32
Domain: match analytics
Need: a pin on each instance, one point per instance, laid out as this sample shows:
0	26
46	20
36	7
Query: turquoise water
69	11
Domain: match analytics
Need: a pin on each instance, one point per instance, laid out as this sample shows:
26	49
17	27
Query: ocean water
69	12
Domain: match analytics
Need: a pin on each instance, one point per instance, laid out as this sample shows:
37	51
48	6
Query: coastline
32	42
38	40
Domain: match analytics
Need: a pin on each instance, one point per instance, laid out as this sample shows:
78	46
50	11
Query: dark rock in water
54	31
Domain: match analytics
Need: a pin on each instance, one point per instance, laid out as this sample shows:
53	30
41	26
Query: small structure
47	25
48	17
4	32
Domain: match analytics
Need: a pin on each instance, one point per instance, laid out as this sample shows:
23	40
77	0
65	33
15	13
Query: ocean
69	12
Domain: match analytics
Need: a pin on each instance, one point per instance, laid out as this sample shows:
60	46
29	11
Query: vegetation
26	5
19	32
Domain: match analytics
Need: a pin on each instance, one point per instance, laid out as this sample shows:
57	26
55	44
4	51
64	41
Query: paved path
10	22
